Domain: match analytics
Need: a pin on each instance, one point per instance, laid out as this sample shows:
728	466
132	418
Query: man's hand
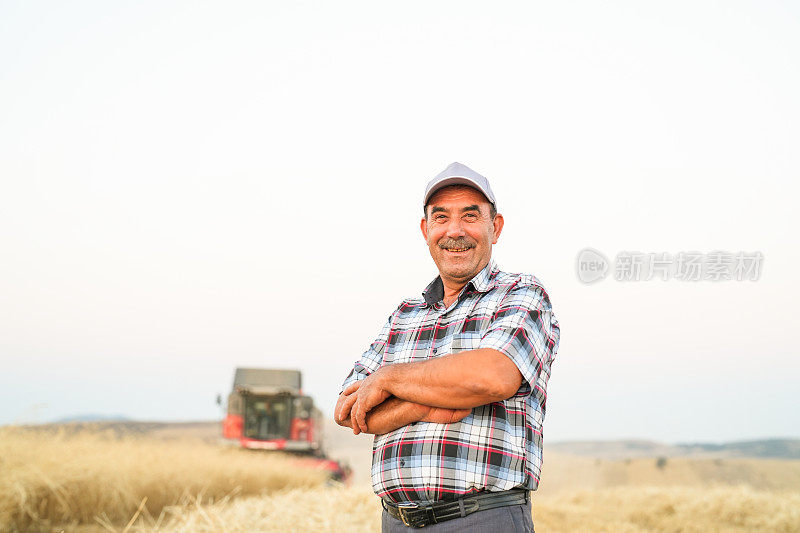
341	414
368	396
344	406
361	398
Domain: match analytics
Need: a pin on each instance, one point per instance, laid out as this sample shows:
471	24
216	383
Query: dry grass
92	482
572	473
321	509
684	509
52	478
646	509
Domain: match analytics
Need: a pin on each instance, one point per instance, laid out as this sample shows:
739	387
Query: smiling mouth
455	246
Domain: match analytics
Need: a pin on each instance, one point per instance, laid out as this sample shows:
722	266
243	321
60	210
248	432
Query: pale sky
188	187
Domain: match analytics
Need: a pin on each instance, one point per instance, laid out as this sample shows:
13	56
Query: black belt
420	515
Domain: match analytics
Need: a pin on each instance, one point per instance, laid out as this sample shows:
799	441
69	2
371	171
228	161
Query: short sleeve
370	360
525	329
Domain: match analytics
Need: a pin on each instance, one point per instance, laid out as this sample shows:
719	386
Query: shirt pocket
471	333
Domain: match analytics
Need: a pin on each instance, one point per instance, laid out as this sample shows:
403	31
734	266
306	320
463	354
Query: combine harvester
268	411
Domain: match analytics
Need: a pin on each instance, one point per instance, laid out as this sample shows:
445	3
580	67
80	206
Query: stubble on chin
456	272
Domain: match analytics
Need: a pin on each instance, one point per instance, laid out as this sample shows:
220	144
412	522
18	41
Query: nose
455	227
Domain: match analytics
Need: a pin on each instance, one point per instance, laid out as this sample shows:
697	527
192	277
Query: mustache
461	242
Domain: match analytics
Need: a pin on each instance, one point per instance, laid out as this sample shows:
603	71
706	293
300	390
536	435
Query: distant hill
628	449
91	417
209	431
772	448
612	449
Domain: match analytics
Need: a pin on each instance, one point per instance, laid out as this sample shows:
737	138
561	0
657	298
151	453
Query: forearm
457	381
395	413
391	414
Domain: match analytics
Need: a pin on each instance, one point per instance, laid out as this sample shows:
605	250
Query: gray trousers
511	518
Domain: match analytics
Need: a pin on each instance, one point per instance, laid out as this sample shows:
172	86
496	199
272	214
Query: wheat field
54	479
97	481
729	509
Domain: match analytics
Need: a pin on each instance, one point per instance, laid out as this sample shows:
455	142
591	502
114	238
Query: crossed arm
395	413
443	389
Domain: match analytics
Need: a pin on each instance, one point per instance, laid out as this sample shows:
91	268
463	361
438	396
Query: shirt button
435	350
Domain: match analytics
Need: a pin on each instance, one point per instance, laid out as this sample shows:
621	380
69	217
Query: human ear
498	227
423	225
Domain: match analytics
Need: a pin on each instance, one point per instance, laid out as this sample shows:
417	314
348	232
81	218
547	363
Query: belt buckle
406	506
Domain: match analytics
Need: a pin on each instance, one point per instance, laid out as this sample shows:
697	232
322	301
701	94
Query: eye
471	216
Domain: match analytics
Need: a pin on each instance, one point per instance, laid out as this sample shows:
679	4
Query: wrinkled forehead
456	195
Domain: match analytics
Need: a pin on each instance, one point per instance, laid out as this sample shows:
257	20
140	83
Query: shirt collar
483	281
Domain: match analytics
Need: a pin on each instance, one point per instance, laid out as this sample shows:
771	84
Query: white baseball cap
458	174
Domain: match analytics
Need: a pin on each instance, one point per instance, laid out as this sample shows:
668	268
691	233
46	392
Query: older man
454	386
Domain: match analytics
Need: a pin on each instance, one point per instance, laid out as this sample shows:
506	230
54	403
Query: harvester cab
267	410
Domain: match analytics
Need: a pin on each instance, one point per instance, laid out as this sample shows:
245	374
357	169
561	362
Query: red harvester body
268	411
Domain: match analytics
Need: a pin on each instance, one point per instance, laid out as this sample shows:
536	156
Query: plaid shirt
496	447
